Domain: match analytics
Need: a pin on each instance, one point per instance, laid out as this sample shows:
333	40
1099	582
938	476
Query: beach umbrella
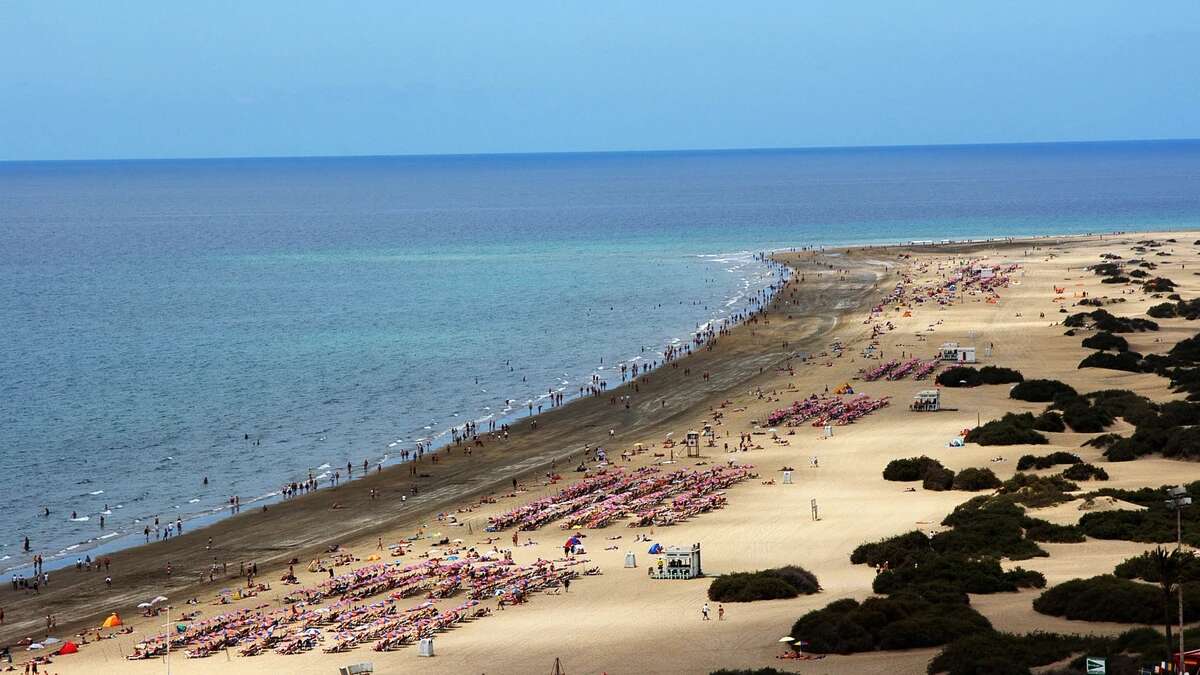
787	638
161	598
144	605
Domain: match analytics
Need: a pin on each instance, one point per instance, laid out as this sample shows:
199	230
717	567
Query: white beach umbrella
787	638
144	605
161	598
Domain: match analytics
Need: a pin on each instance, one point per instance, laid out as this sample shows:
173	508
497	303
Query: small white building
927	400
678	563
953	352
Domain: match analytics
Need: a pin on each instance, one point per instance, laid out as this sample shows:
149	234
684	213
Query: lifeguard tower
927	400
692	441
678	563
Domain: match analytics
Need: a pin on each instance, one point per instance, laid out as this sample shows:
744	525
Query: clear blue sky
86	79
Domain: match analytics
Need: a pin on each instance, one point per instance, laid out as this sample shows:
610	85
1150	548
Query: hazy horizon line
552	153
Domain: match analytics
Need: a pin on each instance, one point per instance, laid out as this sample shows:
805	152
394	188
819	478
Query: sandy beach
620	620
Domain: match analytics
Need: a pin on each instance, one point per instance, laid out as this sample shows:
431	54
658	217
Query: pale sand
624	622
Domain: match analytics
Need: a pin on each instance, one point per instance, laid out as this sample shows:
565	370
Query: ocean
252	320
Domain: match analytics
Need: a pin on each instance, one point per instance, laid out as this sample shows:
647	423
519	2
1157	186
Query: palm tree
1167	567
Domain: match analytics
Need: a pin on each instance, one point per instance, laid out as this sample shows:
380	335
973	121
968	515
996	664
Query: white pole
168	640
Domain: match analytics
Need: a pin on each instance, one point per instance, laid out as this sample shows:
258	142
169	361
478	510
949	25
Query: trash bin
630	559
787	477
425	647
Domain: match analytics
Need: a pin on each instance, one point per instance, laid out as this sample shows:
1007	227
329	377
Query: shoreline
117	541
112	541
301	527
138	570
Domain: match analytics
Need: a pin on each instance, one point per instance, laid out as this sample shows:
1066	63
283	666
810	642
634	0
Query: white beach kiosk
955	353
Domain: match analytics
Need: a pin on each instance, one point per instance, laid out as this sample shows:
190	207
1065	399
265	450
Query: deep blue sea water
154	313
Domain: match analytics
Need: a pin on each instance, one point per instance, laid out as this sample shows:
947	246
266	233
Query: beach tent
67	648
112	621
655	548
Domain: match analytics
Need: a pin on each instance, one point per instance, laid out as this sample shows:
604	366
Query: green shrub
958	376
785	582
994	653
967	376
910	469
1126	361
1163	310
1042	391
1084	472
1143	567
901	549
974	480
1106	341
1040	530
998	375
1183	443
1122	403
897	622
1159	285
1104	441
1083	417
1109	598
1037	491
1154	524
986	526
1027	462
1049	421
1012	429
964	575
938	480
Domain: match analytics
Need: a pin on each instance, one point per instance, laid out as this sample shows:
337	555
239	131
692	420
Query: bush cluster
1153	525
1081	415
1167	429
1183	309
995	653
1103	320
1049	421
967	376
1110	598
974	480
1041	391
910	469
1142	567
1085	472
1027	462
896	622
1106	341
1159	285
1012	429
1128	361
1037	491
772	584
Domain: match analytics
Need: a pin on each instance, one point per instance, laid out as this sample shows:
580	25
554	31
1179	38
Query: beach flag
1094	666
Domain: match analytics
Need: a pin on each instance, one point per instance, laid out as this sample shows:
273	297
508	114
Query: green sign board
1095	666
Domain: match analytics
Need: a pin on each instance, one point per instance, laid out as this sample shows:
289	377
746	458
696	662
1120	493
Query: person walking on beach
720	612
704	612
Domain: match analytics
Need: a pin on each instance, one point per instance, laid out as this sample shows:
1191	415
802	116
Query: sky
129	79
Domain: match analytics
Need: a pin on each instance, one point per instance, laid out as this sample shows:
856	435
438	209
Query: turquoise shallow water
334	310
